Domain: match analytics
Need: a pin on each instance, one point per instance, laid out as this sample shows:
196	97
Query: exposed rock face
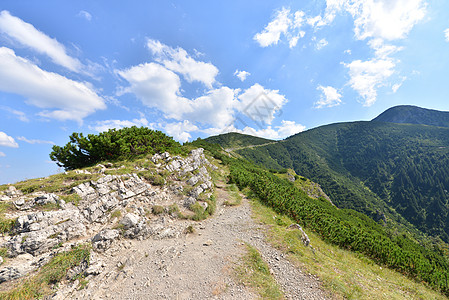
40	234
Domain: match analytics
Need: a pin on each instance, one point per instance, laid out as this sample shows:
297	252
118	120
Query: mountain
393	172
414	115
237	140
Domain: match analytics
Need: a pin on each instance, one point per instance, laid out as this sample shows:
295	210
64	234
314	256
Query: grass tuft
254	272
42	284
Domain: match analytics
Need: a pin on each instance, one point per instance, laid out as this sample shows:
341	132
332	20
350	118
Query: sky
199	68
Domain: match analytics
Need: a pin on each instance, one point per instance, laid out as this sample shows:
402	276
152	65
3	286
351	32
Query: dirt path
196	266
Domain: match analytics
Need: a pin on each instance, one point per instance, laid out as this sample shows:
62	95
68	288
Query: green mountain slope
395	171
237	140
414	115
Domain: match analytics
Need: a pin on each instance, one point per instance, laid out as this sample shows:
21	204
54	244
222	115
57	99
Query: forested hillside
343	227
385	170
408	114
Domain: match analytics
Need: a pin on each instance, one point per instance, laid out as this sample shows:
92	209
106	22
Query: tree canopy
111	145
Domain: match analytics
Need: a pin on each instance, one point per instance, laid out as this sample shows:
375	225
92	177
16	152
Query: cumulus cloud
34	141
179	61
385	19
381	23
7	141
241	75
446	34
286	129
101	126
215	108
2	154
329	97
260	104
84	14
157	87
27	35
71	100
284	23
180	130
367	76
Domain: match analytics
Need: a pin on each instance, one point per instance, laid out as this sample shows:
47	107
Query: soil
198	265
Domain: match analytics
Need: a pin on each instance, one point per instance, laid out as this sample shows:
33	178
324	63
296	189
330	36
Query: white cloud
383	51
329	97
27	35
241	75
286	129
101	126
260	104
156	87
179	61
2	154
283	23
84	14
20	114
159	88
385	19
215	108
272	32
7	141
321	44
180	131
24	139
72	100
446	34
367	76
396	87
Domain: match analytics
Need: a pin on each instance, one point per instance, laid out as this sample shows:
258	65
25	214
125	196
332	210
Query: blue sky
199	68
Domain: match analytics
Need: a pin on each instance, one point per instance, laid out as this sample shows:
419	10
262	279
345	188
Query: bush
112	145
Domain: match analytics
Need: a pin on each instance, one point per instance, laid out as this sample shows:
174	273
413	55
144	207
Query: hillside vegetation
414	115
237	140
390	172
343	227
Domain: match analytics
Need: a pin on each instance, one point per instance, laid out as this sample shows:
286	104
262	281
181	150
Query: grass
56	183
6	224
157	209
200	213
345	274
41	284
254	272
72	198
234	193
116	214
3	252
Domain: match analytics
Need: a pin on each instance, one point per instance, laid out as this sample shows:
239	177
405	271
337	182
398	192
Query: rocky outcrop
110	208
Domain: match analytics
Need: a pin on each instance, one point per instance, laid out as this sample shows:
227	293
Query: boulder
129	221
103	240
9	273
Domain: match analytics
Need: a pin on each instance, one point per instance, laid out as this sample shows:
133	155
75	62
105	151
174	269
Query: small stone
208	243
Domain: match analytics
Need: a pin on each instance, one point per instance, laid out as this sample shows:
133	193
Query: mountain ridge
377	168
409	114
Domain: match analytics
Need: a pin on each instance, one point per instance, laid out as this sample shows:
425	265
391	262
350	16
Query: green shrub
111	145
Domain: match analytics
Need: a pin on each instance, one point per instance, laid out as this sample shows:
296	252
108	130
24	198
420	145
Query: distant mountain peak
409	114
